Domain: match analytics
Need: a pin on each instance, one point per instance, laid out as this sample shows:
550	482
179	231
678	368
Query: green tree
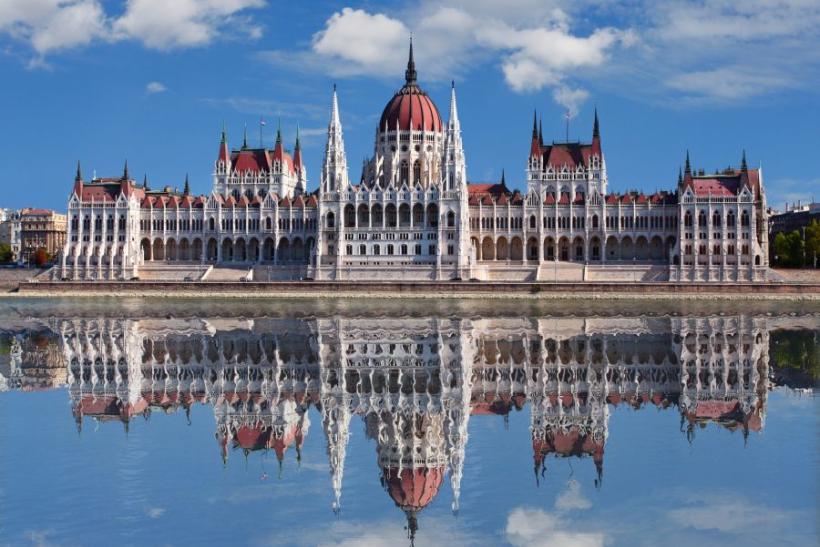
5	253
795	242
813	243
781	249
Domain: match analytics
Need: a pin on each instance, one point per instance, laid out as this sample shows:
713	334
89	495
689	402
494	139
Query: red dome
410	107
413	489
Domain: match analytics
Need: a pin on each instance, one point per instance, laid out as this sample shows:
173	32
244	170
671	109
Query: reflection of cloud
728	514
572	498
534	527
39	538
433	531
155	512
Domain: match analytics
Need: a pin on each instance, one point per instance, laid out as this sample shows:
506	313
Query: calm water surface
261	422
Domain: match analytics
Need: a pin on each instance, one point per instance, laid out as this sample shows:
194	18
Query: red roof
567	154
715	186
256	160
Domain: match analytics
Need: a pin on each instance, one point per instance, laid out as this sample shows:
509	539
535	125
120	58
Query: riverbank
429	289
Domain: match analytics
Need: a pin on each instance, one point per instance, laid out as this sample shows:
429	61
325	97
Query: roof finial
145	182
224	133
187	189
125	171
535	123
298	146
596	134
79	175
743	166
410	73
687	169
503	178
279	132
245	138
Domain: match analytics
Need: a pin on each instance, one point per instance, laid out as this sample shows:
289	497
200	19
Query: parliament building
413	215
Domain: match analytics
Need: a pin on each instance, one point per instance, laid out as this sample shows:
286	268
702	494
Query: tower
453	168
334	166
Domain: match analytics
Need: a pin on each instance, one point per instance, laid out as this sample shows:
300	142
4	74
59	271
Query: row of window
390	250
716	219
716	249
98	223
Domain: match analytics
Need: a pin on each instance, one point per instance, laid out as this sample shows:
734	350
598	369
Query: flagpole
260	132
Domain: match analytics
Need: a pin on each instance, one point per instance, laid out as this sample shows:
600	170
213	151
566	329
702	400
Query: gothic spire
79	176
245	138
535	123
125	171
145	182
680	176
503	178
224	139
453	122
596	133
279	132
298	146
410	74
540	132
687	169
187	189
743	166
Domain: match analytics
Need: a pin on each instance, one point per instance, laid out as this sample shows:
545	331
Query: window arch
532	222
416	172
403	172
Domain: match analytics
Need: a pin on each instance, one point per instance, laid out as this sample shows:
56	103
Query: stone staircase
228	273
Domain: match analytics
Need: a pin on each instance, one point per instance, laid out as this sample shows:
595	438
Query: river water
398	422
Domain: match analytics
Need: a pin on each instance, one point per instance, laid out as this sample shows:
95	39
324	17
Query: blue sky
153	81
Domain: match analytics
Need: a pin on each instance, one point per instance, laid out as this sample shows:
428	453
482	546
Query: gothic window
330	220
416	172
403	174
451	219
268	223
532	222
594	221
730	220
744	219
211	224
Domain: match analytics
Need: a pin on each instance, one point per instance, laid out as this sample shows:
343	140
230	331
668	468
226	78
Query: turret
535	143
298	166
187	188
334	167
224	156
78	181
454	169
596	135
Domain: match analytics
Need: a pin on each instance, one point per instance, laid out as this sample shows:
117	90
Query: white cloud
357	42
48	26
52	25
164	25
538	528
155	87
728	514
570	99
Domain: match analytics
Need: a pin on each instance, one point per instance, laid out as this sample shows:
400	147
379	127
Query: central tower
409	139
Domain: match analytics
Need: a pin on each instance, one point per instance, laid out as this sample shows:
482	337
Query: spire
187	188
503	178
687	169
453	122
145	182
224	139
79	176
334	110
245	138
297	146
596	133
540	132
535	124
410	74
680	175
125	171
743	166
279	132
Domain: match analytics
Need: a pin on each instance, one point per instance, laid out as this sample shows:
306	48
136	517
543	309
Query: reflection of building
413	215
415	382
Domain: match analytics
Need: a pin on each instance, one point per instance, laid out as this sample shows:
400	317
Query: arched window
416	172
376	250
268	223
532	222
403	172
730	220
330	220
687	219
451	219
716	219
211	224
362	250
594	221
744	219
702	219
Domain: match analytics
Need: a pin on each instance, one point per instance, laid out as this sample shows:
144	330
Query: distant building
794	218
41	228
10	230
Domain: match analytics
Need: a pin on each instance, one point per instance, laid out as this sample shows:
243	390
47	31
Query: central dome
410	108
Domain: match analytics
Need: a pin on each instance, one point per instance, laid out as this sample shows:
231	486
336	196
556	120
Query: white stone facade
413	216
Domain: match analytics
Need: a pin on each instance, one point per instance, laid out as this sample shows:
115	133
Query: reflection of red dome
413	489
410	107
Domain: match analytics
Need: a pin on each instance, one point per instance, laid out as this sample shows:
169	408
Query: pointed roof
125	171
410	74
79	176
